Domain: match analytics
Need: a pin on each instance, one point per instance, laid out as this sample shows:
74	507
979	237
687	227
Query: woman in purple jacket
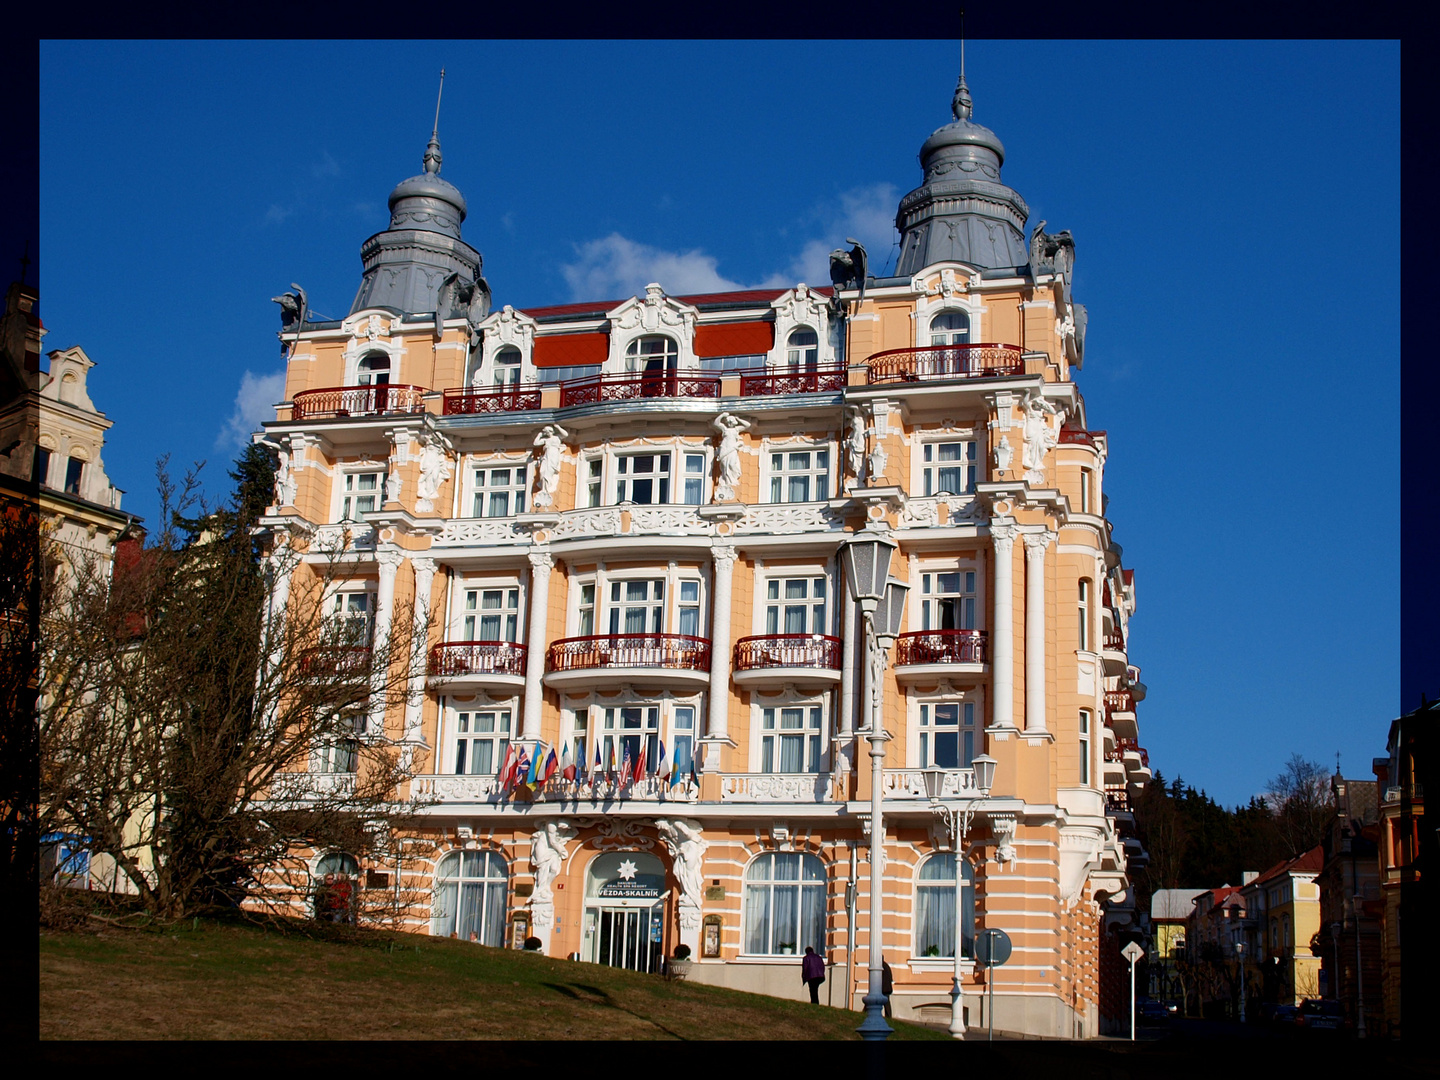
812	973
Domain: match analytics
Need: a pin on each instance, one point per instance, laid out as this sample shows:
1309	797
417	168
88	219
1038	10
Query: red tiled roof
742	296
1310	862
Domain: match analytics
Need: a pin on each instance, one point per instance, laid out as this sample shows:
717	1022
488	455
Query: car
1286	1014
1321	1014
1151	1011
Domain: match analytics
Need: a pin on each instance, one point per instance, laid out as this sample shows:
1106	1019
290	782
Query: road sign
1132	952
992	947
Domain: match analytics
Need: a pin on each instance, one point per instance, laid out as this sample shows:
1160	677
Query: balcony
772	660
1112	653
780	787
1117	800
818	380
334	661
603	388
312	786
1079	437
481	665
905	784
927	655
944	362
608	660
491	399
450	790
336	402
1120	714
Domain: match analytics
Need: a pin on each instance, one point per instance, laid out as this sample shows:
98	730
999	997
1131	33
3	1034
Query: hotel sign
633	889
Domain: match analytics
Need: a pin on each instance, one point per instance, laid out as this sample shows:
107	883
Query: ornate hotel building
624	520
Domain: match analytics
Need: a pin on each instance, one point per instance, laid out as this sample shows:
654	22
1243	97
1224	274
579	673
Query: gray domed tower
961	211
406	264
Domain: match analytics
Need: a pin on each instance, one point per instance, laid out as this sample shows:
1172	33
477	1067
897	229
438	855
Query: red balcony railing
337	401
1114	641
331	660
600	388
452	658
491	399
1119	701
1121	745
986	360
943	647
678	651
1117	797
816	651
1079	436
828	379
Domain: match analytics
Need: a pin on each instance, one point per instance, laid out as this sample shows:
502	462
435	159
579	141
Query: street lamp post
1335	960
1240	956
867	574
957	824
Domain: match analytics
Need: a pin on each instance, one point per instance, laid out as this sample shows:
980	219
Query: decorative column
282	565
722	556
849	633
420	626
537	620
1002	535
389	558
1035	545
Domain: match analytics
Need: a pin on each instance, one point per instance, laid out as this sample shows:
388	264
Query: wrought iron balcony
980	361
783	654
329	661
782	380
942	647
341	401
602	388
1078	437
491	399
610	658
457	660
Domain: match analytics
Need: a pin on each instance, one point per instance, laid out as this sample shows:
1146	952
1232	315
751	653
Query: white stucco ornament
1040	437
434	471
549	440
728	454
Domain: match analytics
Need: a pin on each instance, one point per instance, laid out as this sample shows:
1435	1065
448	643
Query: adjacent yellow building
624	519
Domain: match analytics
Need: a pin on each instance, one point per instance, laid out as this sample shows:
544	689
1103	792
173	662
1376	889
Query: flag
614	768
625	768
675	774
660	761
519	770
567	767
638	773
505	778
552	766
599	770
532	774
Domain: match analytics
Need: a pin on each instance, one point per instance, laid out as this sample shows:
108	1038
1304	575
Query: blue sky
1235	206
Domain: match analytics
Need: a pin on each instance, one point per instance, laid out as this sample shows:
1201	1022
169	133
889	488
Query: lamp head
890	614
866	559
934	781
984	767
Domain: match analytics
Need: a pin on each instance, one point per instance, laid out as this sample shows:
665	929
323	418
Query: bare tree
1301	804
199	726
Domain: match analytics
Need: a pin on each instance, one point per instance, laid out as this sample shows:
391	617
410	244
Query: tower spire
961	106
432	157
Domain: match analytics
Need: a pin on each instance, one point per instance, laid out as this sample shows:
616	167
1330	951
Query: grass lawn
231	979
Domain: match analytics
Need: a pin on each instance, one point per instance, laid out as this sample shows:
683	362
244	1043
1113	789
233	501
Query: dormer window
950	328
507	367
652	356
374	370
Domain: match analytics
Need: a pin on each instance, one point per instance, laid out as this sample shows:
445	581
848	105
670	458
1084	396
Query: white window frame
675	579
948	334
796	358
492	899
967	907
925	614
519	488
340	609
344	493
586	729
815	472
777	935
780	577
499	737
1086	732
944	694
970	465
461	612
1085	632
791	699
967	722
635	361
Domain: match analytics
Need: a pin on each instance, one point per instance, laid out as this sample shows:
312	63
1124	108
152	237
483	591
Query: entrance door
625	910
628	937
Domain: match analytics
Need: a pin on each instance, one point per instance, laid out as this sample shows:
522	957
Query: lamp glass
984	766
867	566
890	615
934	781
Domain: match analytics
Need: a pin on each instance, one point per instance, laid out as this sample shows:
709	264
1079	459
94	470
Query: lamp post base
873	1027
957	1011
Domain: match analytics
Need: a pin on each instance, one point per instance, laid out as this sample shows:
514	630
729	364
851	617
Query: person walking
887	985
812	973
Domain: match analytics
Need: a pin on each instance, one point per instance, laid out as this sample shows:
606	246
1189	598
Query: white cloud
254	404
617	267
277	214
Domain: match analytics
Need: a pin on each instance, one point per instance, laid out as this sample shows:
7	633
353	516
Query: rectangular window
1083	612
790	739
340	752
40	469
1084	746
637	607
643	479
360	495
947	735
800	476
587	610
353	613
74	471
795	606
694	479
688	621
1085	480
949	468
481	739
682	737
492	614
499	492
947	600
626	729
594	469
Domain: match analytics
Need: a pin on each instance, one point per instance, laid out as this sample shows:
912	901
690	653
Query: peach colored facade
648	552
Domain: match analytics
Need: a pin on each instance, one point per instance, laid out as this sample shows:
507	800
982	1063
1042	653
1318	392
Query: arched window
653	356
935	908
507	367
803	348
337	877
469	901
784	904
374	370
950	328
